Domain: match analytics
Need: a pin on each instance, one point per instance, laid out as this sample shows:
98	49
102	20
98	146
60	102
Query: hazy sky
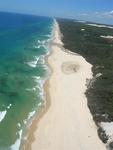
92	10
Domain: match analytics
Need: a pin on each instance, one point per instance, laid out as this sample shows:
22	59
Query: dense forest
86	40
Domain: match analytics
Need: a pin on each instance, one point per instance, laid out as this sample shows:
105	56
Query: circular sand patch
69	67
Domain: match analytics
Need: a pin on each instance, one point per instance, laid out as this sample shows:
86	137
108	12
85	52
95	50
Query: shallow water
23	45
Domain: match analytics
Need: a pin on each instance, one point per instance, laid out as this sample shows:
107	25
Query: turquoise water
23	45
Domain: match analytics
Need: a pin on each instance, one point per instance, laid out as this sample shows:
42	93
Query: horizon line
37	15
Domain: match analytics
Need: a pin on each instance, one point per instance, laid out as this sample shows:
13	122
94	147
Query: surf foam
2	115
33	63
16	145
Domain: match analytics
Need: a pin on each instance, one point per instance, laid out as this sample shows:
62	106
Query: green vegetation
99	52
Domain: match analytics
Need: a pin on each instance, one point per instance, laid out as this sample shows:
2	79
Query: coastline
29	138
37	118
47	133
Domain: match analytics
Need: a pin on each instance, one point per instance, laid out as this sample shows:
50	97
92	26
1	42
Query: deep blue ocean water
23	45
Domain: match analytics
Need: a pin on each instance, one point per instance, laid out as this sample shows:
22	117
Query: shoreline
26	145
37	118
36	125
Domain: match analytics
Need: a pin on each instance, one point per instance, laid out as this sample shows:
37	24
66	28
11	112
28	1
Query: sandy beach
67	123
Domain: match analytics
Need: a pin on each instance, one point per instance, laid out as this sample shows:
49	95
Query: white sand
106	37
68	124
101	26
108	128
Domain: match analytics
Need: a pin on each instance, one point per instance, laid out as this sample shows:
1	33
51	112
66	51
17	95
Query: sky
91	10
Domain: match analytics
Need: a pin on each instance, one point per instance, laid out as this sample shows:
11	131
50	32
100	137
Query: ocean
24	44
